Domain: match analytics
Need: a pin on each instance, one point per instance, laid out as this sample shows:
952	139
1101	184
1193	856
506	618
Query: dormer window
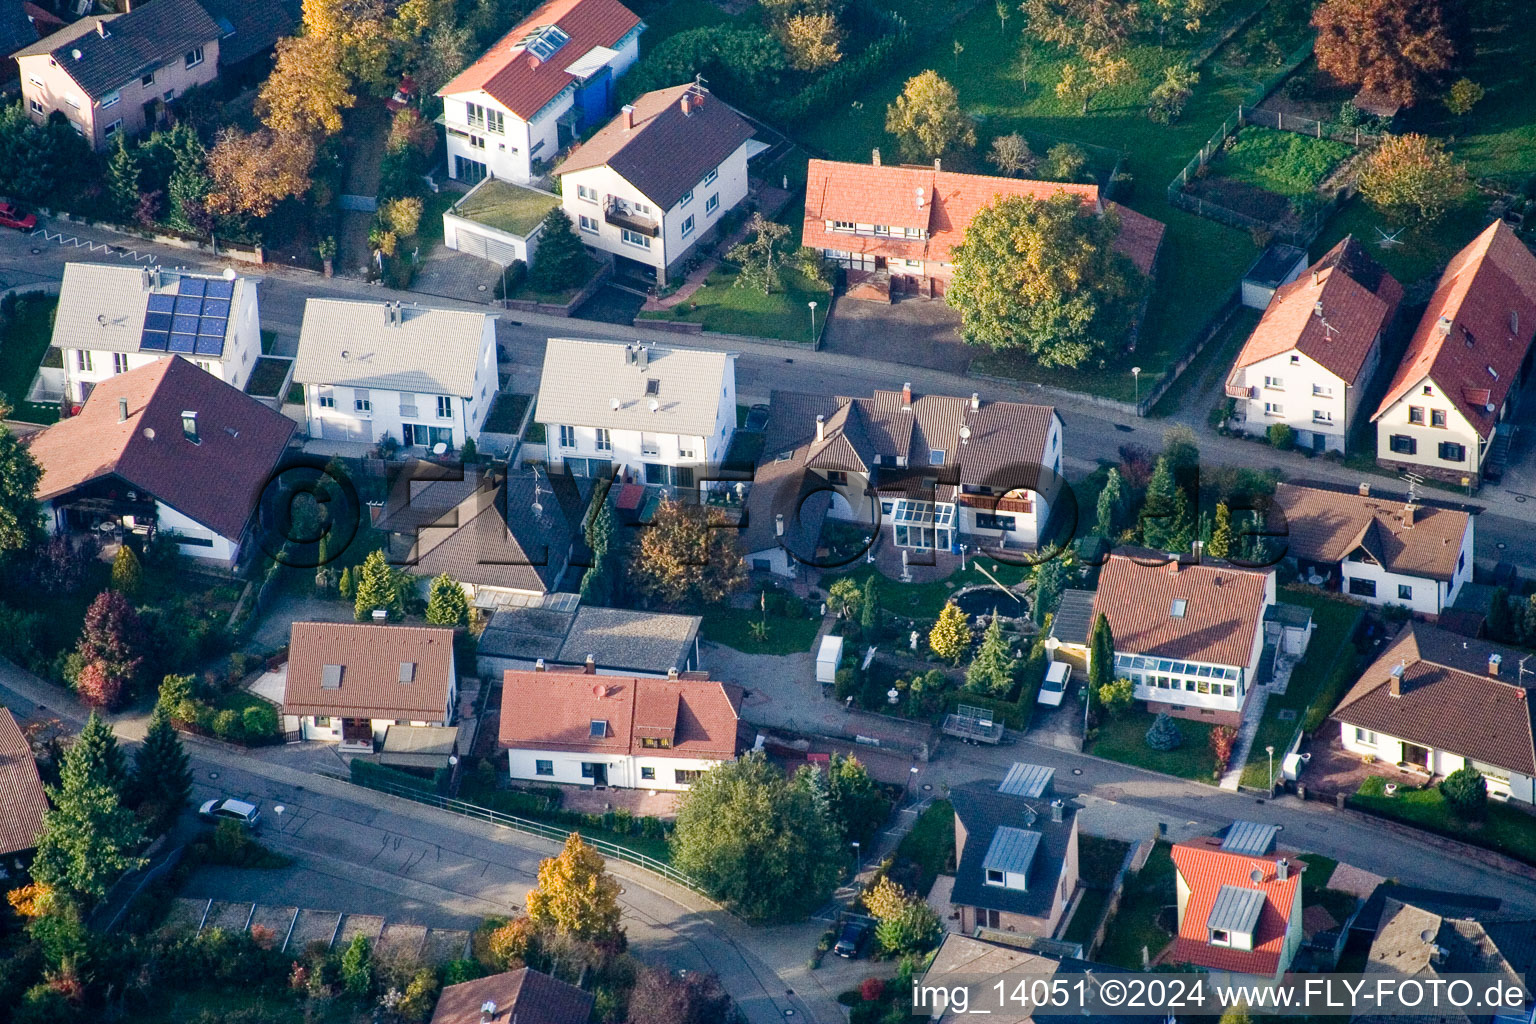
994	877
1220	937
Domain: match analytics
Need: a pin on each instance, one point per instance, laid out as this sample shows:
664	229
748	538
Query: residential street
1095	433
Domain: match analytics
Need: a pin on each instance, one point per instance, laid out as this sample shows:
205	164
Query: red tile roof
1205	867
1446	698
523	996
22	802
370	657
554	710
1357	299
1222	612
939	202
521	82
1488	295
217	481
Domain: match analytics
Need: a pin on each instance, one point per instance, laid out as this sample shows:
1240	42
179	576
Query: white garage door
469	242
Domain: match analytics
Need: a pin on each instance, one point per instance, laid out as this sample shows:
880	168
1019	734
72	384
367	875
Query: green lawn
1135	924
733	628
25	341
924	600
1422	250
1328	666
1213	365
722	306
1124	739
1506	829
1284	163
1086	917
1099	859
931	843
504	206
1200	258
430	230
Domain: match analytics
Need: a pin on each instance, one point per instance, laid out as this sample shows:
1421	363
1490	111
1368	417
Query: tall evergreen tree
857	805
1101	657
1166	523
127	573
123	179
992	669
1050	576
95	759
1220	545
376	588
869	610
1111	507
599	581
162	772
446	603
1500	622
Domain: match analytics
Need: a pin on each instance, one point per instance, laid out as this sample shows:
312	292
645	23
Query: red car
405	94
11	217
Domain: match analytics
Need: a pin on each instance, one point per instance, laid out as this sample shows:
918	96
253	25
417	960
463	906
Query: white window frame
326	400
444	407
567	436
635	238
712	204
37	108
193	57
709	179
1274	409
687	198
1366	737
587	193
687	228
119	362
587	224
83	360
604	440
1274	383
109	100
112	128
361	403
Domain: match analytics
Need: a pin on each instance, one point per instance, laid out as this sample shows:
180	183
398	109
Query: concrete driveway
917	332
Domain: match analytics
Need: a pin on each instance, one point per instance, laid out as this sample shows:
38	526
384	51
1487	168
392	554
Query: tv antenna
538	506
1522	670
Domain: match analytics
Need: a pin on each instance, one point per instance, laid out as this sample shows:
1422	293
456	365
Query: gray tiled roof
252	25
617	638
352	343
101	307
1073	623
983	811
581	381
147	37
1236	909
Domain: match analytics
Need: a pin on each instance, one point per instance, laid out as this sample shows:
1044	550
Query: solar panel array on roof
1029	780
1250	837
189	321
1236	910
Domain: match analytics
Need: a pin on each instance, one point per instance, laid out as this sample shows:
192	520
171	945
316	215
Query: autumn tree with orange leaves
1402	49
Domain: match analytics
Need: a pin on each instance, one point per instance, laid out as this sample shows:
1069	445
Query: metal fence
1297	230
1213	326
555	833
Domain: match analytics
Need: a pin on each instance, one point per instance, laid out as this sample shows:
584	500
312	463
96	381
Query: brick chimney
1173	564
629	116
937	165
821	427
875	157
906	396
1395	680
122	409
1365	489
975	400
685	105
590	668
1494	661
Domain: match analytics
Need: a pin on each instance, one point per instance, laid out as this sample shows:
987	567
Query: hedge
850	75
367	773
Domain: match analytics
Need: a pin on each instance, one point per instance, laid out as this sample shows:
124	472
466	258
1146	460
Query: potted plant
327	251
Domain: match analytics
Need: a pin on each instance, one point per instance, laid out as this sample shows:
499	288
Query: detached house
167	448
657	179
1380	550
581	728
895	227
112	319
1016	851
349	682
1189	637
114	73
1314	352
649	414
1239	904
542	85
374	370
1439	702
508	539
930	468
1445	411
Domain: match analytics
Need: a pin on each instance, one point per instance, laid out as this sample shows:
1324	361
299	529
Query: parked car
757	418
229	809
12	217
850	942
1054	687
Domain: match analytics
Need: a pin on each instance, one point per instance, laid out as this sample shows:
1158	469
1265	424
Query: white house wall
624	770
1395	421
505	155
1389	750
1298	401
220	549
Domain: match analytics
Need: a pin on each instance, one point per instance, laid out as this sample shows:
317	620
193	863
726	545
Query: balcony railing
407	410
624	217
1241	391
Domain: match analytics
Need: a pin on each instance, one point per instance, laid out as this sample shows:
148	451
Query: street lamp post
857	862
1136	377
812	304
911	778
1270	750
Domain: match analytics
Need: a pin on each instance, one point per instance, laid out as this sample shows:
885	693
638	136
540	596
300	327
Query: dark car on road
850	942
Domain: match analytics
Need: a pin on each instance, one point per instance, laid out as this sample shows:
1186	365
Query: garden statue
912	641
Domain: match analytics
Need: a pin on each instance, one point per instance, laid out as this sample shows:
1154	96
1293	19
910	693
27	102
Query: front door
357	731
597	771
1415	754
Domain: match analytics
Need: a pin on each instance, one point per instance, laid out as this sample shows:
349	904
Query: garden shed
827	659
1279	264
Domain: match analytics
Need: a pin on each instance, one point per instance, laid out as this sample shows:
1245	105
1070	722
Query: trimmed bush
1164	734
1466	791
